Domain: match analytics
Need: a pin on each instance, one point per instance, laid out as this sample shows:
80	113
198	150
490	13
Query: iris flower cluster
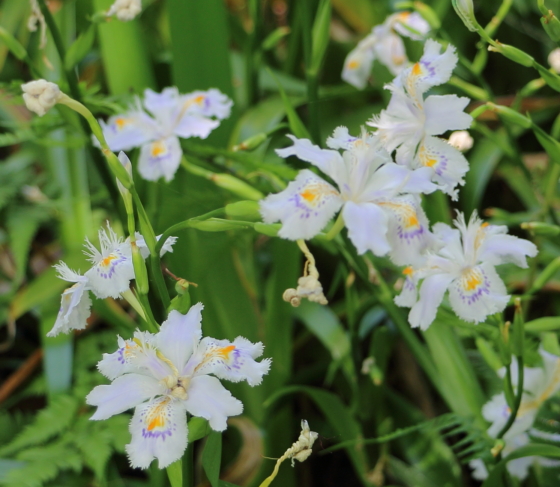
380	198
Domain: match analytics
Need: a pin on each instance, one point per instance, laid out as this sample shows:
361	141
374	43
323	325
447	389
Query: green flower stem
152	244
385	297
336	228
311	77
251	75
57	38
75	92
493	25
518	396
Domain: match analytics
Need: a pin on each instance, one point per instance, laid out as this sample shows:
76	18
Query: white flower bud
41	95
125	10
461	140
554	60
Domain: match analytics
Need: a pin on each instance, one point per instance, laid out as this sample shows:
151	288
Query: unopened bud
465	10
41	95
551	25
140	272
244	210
125	193
511	115
497	448
236	186
216	225
181	302
125	10
540	228
461	140
251	143
513	53
268	229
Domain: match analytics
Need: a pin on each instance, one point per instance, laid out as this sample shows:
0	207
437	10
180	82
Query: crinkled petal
111	276
341	139
478	293
433	69
232	361
410	19
448	164
409	293
75	305
445	112
209	399
179	335
159	431
125	392
304	207
408	233
160	158
499	249
432	289
390	52
210	103
124	132
192	125
402	123
145	251
328	161
367	226
118	363
357	66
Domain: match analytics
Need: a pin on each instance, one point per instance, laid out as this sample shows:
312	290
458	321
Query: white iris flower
157	133
464	265
385	45
379	199
110	275
167	374
411	120
539	384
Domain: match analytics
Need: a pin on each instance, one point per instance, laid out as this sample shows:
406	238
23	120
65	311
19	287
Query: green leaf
212	458
80	47
52	420
23	222
198	428
324	324
549	323
296	125
200	49
13	44
320	35
339	418
175	473
126	65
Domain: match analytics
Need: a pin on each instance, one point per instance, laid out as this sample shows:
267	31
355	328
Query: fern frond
54	419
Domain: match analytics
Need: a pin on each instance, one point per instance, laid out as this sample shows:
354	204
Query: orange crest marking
158	148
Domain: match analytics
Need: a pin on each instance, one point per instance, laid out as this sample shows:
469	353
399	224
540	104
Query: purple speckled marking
480	290
112	265
168	431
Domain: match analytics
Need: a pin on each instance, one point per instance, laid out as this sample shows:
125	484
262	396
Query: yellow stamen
353	64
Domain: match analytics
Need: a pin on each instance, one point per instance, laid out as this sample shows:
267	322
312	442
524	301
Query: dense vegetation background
349	368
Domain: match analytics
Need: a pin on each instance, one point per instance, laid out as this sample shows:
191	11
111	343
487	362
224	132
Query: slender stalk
251	81
336	228
518	396
311	77
493	25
